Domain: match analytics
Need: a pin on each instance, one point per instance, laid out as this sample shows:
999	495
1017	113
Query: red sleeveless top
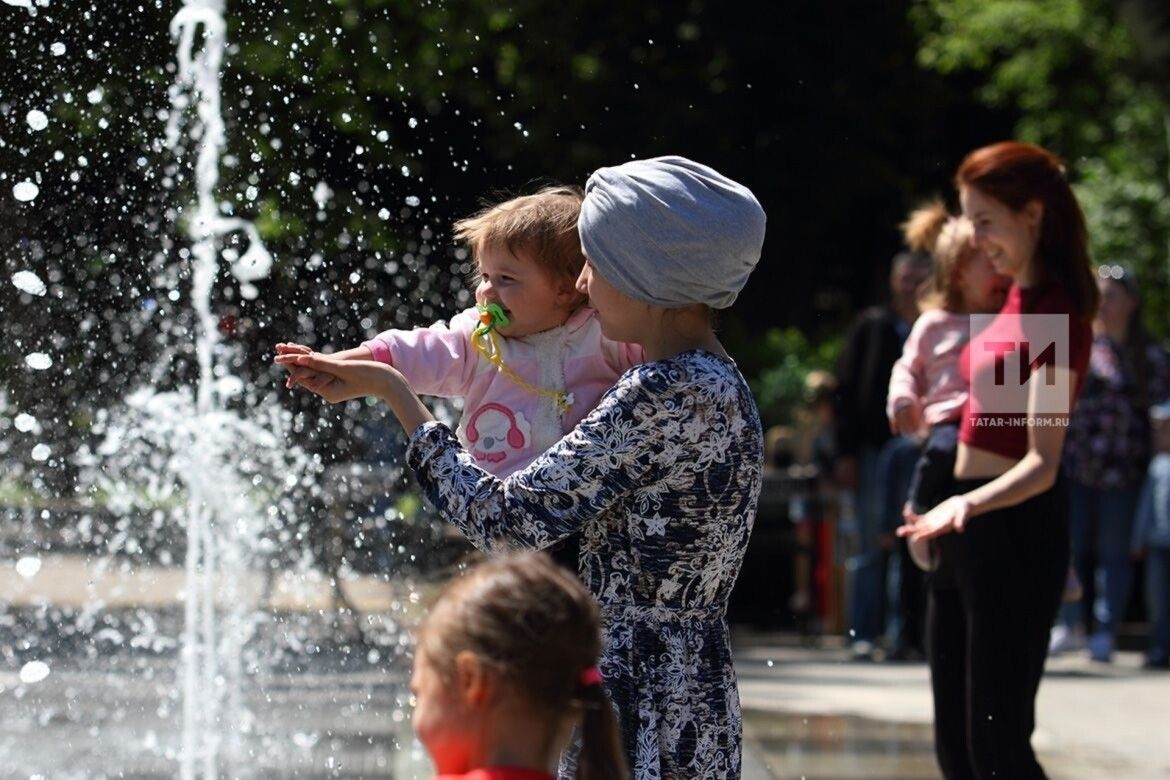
994	361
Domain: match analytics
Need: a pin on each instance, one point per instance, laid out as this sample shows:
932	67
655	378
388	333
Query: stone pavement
810	712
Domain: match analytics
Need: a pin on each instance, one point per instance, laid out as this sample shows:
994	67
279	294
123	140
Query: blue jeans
1158	602
866	566
897	469
1101	519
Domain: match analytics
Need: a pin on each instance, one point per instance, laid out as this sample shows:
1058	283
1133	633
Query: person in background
1003	536
873	343
1105	460
505	668
814	501
1151	539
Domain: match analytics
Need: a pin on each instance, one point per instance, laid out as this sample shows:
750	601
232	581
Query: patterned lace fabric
662	480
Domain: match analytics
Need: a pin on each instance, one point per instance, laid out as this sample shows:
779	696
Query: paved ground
809	711
812	713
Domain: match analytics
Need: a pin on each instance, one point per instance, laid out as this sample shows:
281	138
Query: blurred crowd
853	470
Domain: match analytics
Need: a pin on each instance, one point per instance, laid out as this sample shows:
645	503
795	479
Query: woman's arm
1033	474
337	379
296	374
608	454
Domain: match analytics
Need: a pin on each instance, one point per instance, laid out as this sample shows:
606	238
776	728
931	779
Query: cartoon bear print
494	430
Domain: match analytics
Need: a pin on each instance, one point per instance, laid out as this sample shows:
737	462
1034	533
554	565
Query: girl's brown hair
948	238
535	623
1015	174
543	225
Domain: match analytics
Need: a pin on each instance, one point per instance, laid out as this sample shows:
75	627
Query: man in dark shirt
872	346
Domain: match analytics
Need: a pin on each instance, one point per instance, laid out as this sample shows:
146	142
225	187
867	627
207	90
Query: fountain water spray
212	647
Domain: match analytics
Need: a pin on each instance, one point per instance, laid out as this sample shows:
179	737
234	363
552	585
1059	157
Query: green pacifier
491	316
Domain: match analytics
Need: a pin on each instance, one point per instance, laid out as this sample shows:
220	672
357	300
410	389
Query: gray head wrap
671	232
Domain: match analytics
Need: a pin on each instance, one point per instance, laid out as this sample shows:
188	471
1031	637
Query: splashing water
192	457
219	521
179	473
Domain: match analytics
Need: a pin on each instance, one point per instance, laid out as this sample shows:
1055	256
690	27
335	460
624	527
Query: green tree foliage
359	129
1072	70
777	363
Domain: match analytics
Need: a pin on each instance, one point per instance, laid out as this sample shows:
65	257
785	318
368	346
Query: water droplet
27	281
28	566
34	672
38	361
25	191
322	194
37	120
26	423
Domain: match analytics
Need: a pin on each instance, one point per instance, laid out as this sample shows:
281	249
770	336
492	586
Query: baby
530	360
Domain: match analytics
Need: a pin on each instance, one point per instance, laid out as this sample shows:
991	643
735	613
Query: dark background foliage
359	129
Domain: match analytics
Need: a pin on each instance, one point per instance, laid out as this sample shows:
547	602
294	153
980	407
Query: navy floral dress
661	479
1108	443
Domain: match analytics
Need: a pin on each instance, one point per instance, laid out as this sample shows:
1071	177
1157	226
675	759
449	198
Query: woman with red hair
1004	537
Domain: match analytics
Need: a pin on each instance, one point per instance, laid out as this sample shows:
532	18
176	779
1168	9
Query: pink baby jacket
504	425
928	371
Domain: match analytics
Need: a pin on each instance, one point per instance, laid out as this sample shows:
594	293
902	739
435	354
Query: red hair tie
590	676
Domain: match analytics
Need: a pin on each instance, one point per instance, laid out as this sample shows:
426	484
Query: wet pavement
109	707
124	721
811	712
91	679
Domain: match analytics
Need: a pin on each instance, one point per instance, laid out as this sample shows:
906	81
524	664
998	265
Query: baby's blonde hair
948	238
543	225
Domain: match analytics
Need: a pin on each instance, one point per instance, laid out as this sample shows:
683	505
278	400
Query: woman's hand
950	515
298	375
335	378
338	378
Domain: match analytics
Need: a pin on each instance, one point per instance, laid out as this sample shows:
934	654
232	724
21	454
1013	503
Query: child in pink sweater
927	391
529	376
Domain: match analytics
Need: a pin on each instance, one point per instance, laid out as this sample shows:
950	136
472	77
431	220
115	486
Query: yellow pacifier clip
486	341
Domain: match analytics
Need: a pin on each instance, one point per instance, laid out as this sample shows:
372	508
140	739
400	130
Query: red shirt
1003	430
500	773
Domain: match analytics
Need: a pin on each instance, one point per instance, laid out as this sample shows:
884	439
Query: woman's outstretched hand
950	515
336	379
339	378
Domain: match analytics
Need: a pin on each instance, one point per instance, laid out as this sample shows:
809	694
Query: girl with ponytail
505	670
